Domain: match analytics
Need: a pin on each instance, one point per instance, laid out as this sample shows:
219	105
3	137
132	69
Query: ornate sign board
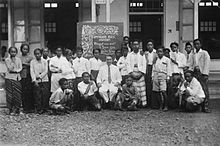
105	36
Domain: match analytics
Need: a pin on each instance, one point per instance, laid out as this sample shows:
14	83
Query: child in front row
129	97
61	99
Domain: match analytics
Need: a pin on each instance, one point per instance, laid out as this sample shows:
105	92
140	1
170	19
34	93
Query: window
4	27
50	5
208	26
146	5
135	27
208	3
50	27
3	4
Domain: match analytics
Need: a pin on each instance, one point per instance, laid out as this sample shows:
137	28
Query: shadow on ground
145	127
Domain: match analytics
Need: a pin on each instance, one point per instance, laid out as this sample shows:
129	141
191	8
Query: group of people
160	78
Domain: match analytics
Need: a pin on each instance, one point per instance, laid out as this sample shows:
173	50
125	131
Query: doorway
144	27
60	23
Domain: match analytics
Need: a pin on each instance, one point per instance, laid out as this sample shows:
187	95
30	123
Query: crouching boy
61	99
191	93
129	97
88	89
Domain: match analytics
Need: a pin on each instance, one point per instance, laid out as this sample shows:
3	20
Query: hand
186	84
36	84
116	84
86	96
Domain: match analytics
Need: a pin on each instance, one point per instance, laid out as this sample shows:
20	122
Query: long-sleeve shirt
95	64
103	75
122	64
39	68
26	60
13	64
162	65
202	60
68	70
136	62
82	87
81	65
180	58
194	88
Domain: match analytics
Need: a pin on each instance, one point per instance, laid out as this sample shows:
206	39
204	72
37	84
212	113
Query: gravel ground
145	127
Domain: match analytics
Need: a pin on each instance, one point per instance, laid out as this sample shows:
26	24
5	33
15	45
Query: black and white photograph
110	72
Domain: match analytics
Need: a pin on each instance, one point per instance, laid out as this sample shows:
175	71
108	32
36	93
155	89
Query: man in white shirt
151	57
108	80
201	64
55	66
137	68
191	92
95	63
161	74
88	89
122	64
178	59
80	63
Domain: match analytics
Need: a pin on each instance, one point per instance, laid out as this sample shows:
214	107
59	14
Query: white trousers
103	91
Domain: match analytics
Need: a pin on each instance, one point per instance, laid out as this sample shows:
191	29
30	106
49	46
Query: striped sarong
141	88
13	94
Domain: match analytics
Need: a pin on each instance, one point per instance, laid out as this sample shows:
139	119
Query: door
140	28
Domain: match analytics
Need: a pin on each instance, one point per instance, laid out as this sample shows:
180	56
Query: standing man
189	55
201	70
137	68
108	80
151	57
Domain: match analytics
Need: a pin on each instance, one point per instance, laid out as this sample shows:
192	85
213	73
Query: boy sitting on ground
61	99
88	89
129	97
191	93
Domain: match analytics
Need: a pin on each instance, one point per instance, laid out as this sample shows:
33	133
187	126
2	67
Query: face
160	52
188	77
129	81
79	53
188	49
150	46
109	60
45	52
136	46
96	53
13	52
174	48
86	78
197	45
126	40
167	53
65	85
118	53
25	50
59	52
125	52
37	54
69	55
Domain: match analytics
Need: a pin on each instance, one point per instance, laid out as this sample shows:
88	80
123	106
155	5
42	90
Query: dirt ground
145	127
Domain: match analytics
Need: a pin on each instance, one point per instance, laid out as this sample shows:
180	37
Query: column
108	12
93	10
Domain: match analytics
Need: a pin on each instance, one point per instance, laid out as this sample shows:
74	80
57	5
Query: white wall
119	13
171	16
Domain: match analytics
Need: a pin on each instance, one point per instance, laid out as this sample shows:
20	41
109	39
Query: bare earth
145	127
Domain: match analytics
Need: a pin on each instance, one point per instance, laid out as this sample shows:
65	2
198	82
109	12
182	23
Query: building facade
48	23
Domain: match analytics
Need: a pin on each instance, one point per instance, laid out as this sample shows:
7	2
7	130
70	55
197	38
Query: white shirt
47	59
68	70
151	57
180	58
194	88
122	64
81	65
56	63
103	75
197	55
95	64
136	59
58	95
162	65
82	88
39	68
